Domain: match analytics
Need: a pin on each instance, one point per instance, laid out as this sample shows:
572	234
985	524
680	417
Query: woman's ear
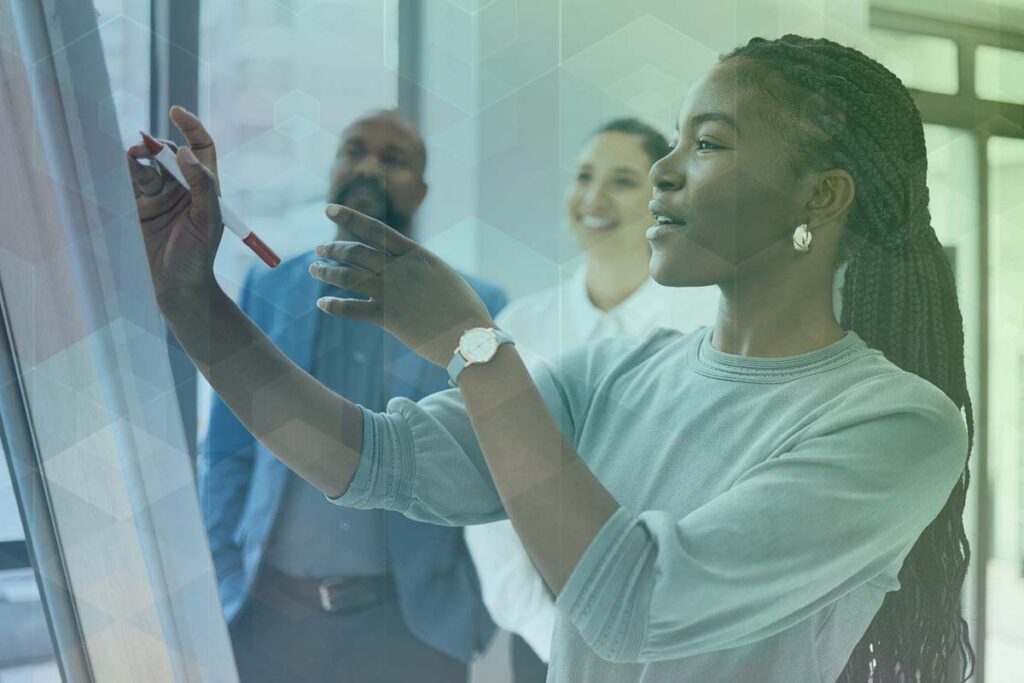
832	197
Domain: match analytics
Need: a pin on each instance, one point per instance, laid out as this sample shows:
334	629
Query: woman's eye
625	183
583	177
703	144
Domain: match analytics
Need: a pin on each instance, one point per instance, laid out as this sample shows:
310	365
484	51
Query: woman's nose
592	196
665	177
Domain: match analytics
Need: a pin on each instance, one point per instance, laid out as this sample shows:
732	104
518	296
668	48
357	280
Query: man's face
379	170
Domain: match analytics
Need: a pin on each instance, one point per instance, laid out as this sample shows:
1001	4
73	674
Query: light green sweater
767	503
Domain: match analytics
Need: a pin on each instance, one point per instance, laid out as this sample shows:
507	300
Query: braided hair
844	110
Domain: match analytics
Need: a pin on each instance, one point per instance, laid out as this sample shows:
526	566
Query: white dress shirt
546	324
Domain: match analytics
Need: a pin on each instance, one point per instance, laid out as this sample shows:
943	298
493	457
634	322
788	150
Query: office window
1006	419
278	81
922	62
999	74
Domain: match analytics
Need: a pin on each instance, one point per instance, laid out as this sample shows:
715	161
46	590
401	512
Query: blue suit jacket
241	482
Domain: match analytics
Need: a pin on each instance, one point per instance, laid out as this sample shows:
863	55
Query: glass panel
997	74
125	31
1006	400
26	652
953	184
278	82
922	62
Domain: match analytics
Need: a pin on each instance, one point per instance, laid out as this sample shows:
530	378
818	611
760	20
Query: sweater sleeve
792	535
422	459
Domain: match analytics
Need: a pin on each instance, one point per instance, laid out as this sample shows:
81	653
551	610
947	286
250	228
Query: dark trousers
279	639
527	667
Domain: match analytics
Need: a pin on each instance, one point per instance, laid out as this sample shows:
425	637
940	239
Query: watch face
478	345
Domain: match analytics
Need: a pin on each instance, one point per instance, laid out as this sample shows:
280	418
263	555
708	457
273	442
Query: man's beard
367	195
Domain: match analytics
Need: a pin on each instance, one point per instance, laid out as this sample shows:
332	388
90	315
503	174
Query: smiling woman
774	498
610	294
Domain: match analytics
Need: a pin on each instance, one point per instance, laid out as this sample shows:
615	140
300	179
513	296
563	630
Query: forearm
314	431
555	503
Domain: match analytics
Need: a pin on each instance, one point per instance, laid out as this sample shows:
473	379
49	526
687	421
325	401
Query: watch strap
455	367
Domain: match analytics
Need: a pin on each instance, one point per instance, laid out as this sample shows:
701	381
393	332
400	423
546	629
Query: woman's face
726	199
608	204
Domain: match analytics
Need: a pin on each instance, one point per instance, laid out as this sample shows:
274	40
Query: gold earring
802	239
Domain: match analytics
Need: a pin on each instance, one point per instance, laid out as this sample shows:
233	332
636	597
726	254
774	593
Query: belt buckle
328	601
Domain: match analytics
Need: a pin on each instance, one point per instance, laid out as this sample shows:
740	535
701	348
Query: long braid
899	295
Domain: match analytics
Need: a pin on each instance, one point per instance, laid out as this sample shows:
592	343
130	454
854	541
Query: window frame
983	119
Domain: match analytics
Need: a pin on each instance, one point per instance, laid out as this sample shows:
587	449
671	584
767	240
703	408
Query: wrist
184	302
450	342
477	346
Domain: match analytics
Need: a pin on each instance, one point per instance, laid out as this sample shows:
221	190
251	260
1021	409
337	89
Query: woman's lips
659	230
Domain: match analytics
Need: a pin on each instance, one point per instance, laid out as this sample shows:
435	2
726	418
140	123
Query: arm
539	476
224	471
513	591
791	536
555	503
315	432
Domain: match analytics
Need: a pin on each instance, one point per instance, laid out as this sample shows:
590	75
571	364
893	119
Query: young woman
774	498
610	293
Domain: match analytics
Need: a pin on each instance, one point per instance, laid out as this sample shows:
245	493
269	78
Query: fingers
369	230
352	279
140	151
353	309
354	254
205	208
198	138
146	180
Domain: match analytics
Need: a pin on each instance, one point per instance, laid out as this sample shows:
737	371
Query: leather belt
339	594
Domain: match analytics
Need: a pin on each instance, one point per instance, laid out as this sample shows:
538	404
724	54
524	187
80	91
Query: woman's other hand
410	291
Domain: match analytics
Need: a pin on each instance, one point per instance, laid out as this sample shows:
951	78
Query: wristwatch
476	346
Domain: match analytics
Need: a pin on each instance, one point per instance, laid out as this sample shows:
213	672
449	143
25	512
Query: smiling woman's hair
840	109
653	142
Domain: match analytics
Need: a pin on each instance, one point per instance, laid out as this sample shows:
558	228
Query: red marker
231	219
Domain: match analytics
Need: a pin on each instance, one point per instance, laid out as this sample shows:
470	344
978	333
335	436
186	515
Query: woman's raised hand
411	292
181	228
